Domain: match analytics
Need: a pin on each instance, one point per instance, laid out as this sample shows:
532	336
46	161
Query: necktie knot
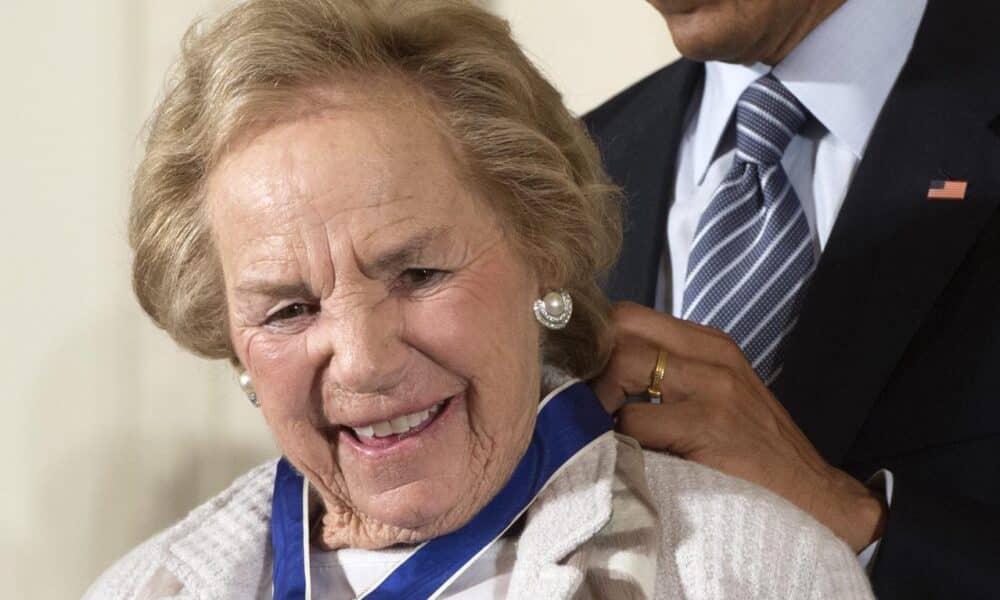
767	118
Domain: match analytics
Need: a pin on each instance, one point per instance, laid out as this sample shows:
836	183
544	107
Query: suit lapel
642	154
892	251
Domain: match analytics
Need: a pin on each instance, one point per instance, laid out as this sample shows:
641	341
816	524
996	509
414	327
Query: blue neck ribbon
569	420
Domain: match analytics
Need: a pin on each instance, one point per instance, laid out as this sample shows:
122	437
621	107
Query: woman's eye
292	311
421	277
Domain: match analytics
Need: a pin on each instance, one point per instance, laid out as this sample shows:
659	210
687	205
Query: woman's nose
368	352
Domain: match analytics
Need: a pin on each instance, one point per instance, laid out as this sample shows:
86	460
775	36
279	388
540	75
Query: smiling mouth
398	428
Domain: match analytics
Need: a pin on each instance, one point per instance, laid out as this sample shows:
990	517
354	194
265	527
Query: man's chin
704	43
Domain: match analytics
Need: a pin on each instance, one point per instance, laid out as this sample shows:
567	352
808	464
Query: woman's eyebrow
404	253
399	255
271	289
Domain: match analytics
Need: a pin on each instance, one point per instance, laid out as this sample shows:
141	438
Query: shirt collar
842	73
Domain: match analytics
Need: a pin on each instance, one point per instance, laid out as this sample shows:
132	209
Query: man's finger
688	379
625	375
630	372
679	337
674	427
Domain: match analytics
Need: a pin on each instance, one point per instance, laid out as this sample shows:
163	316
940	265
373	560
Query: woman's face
384	318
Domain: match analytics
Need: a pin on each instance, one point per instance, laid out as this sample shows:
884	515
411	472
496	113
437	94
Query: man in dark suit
825	188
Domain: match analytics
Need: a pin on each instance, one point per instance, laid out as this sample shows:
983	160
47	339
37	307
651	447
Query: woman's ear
547	283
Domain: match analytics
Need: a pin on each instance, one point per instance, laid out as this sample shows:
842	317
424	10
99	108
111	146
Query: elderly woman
388	222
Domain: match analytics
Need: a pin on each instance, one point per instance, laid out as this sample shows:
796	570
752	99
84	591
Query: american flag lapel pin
946	189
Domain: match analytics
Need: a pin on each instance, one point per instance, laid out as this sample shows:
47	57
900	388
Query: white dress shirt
842	73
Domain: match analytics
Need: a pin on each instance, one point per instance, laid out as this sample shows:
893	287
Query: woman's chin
413	514
422	509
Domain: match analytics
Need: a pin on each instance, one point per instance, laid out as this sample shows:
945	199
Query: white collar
842	72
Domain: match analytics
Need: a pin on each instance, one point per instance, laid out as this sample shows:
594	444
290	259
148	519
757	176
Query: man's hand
717	412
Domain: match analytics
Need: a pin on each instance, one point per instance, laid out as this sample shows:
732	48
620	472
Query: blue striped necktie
752	254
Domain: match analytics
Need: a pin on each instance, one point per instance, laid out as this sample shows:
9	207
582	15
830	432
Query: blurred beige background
109	433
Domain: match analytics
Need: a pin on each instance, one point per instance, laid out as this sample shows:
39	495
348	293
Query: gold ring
654	382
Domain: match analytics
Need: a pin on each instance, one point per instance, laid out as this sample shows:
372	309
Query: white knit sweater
720	537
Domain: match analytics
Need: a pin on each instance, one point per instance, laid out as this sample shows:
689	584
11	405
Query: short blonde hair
260	59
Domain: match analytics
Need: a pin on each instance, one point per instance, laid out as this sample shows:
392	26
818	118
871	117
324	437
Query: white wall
109	432
590	49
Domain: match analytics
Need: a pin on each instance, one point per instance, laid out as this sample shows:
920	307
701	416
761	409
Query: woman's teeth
399	425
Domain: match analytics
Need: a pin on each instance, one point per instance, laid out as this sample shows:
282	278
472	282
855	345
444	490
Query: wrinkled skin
366	279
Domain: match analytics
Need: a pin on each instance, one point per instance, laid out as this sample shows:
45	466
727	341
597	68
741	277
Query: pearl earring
554	309
246	384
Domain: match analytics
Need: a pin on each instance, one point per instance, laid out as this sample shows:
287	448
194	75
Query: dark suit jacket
895	361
